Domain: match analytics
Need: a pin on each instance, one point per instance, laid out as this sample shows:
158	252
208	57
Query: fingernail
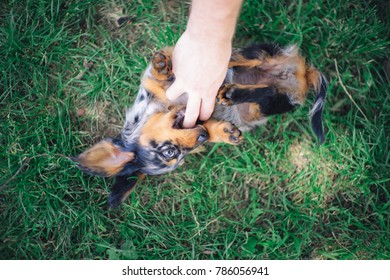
187	124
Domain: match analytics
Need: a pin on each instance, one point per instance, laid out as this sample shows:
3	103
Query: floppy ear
104	159
123	186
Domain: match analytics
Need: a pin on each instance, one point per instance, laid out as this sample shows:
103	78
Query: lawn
68	73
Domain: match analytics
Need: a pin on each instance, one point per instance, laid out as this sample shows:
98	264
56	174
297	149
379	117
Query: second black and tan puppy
262	80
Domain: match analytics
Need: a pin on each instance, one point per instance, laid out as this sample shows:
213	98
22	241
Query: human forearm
201	56
213	20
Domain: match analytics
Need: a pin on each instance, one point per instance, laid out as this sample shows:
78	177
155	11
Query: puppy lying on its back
262	80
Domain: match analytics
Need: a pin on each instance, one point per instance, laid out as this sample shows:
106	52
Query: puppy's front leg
221	131
233	94
162	64
268	100
240	58
159	75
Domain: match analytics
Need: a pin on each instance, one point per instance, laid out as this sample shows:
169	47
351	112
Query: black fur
122	185
271	102
254	51
274	104
316	118
153	144
149	95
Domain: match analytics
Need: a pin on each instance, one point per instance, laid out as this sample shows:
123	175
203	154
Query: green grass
277	196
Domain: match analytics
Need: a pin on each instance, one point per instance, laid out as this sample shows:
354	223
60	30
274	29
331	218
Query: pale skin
201	56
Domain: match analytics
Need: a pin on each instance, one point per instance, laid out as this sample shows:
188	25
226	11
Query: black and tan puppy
262	80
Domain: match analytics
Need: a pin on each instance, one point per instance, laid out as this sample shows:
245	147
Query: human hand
200	66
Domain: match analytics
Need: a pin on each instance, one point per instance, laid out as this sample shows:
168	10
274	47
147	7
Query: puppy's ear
104	159
123	186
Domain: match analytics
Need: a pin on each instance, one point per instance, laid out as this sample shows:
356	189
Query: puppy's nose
203	137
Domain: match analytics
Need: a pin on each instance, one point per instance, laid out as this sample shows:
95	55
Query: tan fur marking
250	112
172	162
313	78
219	132
303	86
158	88
159	128
239	60
250	86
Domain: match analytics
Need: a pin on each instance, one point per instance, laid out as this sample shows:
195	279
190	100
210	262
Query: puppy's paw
162	65
223	132
225	93
231	134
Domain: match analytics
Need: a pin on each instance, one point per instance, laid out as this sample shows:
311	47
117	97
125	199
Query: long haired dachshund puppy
262	80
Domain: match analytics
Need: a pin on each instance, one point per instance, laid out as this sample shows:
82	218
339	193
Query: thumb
174	91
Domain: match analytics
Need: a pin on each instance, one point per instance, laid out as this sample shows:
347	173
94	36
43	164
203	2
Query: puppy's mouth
178	123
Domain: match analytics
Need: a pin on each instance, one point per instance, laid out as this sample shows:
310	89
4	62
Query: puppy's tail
320	84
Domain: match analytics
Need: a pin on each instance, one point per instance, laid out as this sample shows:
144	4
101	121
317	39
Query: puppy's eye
169	153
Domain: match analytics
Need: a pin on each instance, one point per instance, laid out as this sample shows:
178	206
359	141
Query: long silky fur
316	111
